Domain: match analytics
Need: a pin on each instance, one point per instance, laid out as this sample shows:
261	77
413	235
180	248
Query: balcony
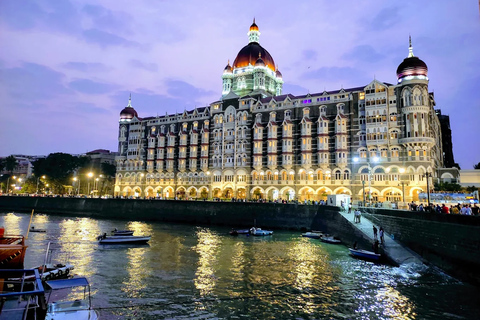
427	140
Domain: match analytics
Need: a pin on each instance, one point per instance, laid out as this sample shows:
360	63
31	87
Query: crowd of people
464	209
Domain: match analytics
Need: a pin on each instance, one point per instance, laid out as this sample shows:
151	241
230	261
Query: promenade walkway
391	248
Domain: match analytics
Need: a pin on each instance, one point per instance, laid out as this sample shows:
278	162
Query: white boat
259	232
364	254
313	235
50	272
79	309
330	239
104	239
122	232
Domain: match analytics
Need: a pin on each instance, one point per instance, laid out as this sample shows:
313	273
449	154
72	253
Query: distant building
24	168
447	145
100	156
378	141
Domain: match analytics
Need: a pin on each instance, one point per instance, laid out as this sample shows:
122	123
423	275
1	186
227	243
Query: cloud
142	65
58	16
363	53
106	19
182	89
104	39
309	54
85	66
91	87
20	15
180	96
385	19
293	89
335	74
32	81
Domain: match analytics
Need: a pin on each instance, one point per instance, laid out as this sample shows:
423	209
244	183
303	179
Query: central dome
249	55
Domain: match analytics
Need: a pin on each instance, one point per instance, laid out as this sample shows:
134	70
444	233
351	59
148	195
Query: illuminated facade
377	141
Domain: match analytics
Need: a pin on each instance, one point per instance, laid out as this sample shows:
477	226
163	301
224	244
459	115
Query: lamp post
90	174
428	175
363	184
8	183
38	180
402	171
375	160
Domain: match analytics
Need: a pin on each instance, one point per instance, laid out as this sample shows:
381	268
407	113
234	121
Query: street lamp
90	174
79	184
428	175
375	160
8	183
402	171
38	180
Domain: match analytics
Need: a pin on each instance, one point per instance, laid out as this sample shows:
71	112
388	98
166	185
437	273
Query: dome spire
410	48
253	33
130	101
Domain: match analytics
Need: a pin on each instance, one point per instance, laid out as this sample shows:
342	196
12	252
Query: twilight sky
67	67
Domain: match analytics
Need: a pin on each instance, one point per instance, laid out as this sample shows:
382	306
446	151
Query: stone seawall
234	214
451	242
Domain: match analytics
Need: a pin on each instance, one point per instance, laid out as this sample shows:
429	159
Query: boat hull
312	235
123	240
330	240
365	255
12	252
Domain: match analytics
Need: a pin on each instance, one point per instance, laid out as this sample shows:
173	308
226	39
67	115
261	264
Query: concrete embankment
234	214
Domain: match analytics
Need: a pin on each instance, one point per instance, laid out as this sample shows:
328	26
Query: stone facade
378	142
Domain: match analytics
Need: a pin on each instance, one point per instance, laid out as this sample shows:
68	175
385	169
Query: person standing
381	234
374	233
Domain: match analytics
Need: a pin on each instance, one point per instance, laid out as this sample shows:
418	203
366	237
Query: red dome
128	113
412	66
249	55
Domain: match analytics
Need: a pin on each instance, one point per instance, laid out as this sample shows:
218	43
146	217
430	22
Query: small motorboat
104	239
234	232
77	309
259	232
32	229
51	271
330	239
364	254
313	235
122	232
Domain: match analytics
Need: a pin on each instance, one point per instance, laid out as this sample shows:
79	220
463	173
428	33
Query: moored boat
32	229
364	254
313	235
259	232
330	239
234	232
77	309
122	232
51	271
12	251
104	239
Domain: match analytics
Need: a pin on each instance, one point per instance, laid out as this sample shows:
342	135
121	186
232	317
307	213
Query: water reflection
12	224
394	304
138	272
75	238
207	246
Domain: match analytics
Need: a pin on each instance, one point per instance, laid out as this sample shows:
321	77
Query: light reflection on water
198	272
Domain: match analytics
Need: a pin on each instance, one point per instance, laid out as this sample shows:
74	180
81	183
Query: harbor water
200	272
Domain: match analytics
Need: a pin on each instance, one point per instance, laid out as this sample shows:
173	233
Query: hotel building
378	142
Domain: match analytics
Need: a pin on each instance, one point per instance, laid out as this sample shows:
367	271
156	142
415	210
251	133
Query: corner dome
412	66
254	26
228	68
249	54
128	113
278	74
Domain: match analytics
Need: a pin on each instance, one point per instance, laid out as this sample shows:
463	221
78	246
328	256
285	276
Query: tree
11	163
58	169
477	166
2	164
447	186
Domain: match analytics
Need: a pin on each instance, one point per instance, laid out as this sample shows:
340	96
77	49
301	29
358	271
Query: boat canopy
67	283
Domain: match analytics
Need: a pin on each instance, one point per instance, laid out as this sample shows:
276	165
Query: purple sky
67	67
